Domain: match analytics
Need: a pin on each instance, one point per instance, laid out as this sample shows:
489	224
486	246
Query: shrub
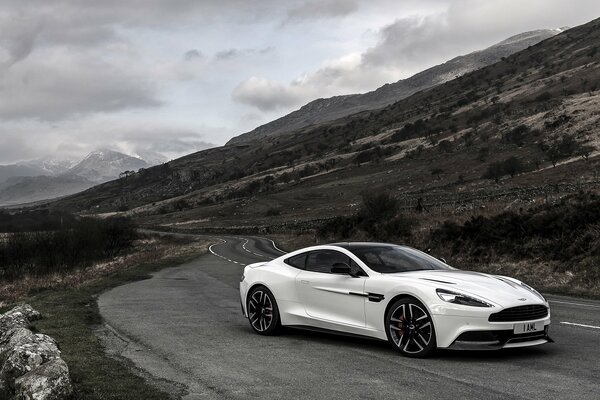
43	252
536	233
511	166
562	148
517	135
273	212
378	219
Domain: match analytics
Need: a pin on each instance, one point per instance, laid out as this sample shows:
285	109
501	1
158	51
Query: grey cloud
18	38
321	9
70	86
227	54
234	53
265	95
146	13
192	54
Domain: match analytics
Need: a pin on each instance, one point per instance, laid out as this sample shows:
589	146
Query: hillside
519	131
31	189
325	110
14	170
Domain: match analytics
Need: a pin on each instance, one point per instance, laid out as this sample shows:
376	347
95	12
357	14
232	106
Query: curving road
184	330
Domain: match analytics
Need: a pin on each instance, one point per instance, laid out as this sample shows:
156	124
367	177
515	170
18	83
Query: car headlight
459	298
532	290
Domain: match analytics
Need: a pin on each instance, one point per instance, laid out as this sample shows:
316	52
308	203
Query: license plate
527	327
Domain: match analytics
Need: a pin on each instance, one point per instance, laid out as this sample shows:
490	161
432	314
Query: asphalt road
184	330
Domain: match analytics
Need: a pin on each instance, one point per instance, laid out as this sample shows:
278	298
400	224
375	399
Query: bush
377	219
378	206
410	130
562	148
34	220
43	252
511	166
536	233
517	135
273	212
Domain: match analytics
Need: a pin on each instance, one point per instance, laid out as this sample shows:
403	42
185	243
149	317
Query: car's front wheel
409	328
263	312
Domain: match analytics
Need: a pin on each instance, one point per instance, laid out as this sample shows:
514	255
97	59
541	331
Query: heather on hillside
86	241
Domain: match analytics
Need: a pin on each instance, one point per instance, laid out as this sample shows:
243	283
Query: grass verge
71	315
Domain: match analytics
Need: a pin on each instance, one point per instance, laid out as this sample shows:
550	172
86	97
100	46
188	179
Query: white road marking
218	255
574	304
582	325
250	251
275	246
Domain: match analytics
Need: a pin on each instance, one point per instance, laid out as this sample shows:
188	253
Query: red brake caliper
401	323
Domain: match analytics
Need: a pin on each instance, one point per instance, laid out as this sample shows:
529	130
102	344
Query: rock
25	357
12	338
19	317
11	321
29	312
49	381
30	364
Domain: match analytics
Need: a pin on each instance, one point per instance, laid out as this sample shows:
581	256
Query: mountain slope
105	165
20	190
324	110
50	166
15	170
535	111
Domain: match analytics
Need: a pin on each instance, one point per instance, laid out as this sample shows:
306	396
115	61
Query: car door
338	298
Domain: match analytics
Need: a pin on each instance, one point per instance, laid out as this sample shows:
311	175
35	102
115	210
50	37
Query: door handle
303	281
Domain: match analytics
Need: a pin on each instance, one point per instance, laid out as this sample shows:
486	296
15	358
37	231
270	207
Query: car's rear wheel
409	328
263	312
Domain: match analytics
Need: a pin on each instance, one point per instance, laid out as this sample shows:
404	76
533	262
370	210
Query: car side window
356	269
323	260
297	261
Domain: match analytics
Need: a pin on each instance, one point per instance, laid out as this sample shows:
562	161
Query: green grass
70	316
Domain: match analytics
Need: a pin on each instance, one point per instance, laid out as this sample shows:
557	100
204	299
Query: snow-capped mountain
50	166
47	178
105	165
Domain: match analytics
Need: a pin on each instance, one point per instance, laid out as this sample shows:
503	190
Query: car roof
361	245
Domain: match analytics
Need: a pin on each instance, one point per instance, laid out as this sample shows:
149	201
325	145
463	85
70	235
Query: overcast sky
175	76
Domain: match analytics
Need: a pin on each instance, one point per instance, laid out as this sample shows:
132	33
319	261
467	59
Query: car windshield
392	259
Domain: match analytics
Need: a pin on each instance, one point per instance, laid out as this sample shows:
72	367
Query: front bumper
243	293
499	339
477	333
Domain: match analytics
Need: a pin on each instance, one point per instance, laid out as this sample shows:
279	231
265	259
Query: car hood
503	291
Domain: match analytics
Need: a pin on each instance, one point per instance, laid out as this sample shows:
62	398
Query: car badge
522	299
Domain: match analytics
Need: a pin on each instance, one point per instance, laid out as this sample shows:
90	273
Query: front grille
520	313
528	337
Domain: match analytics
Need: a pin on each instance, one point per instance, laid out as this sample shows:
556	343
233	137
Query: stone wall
31	367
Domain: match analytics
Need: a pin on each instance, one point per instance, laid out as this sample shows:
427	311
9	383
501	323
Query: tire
409	328
263	313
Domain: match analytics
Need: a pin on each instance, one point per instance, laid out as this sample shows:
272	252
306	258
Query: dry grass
147	249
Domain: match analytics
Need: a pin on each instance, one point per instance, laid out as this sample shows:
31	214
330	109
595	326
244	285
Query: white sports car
395	293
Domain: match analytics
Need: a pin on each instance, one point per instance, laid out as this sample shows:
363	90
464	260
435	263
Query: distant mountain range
47	178
329	109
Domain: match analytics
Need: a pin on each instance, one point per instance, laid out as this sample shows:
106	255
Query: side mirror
442	259
340	268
